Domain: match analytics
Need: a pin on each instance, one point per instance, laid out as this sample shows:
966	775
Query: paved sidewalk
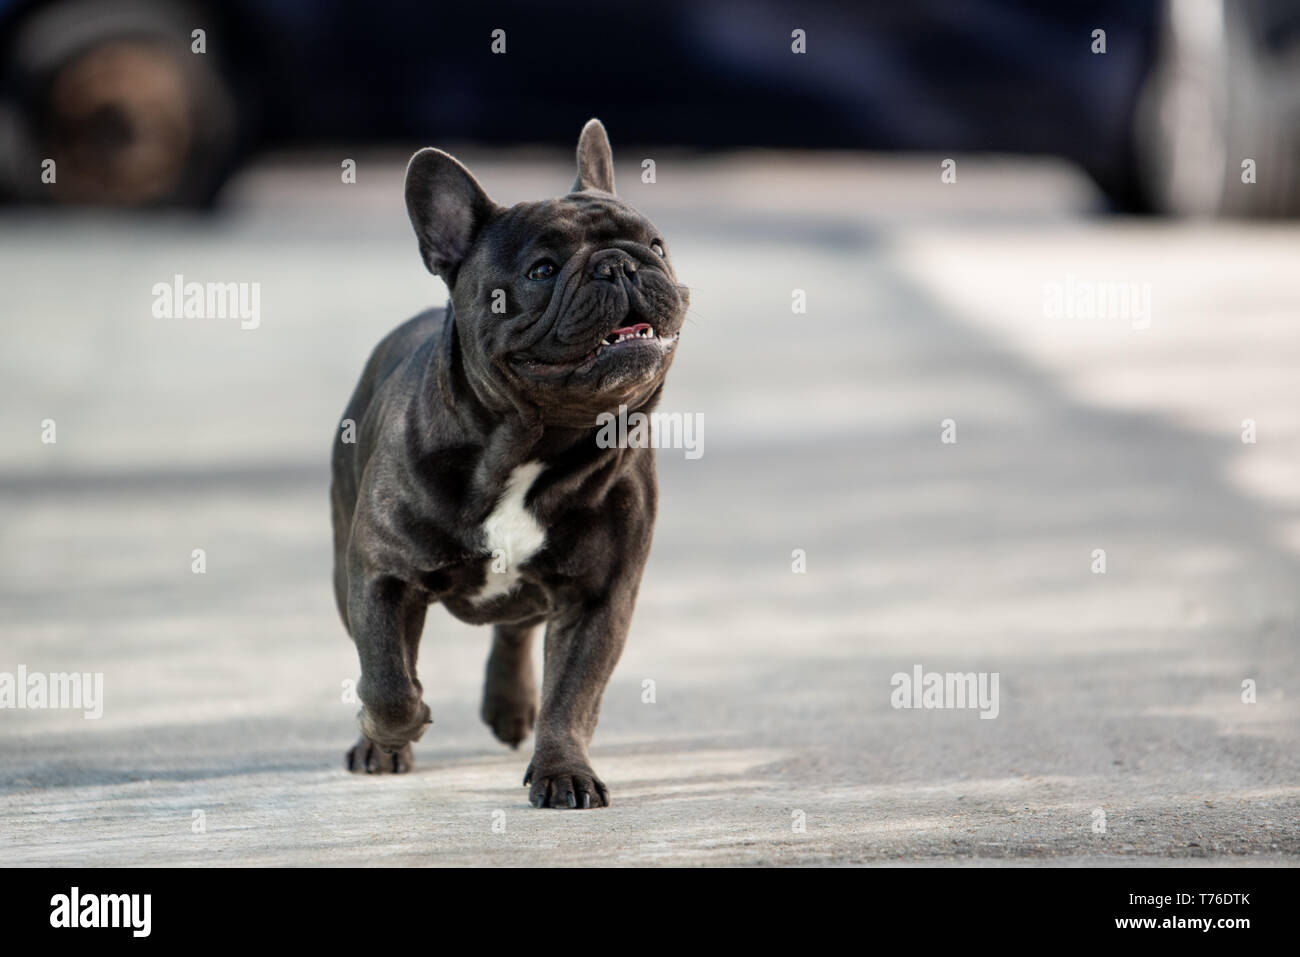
1120	694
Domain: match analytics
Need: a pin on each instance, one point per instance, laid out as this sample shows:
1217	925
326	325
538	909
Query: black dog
475	478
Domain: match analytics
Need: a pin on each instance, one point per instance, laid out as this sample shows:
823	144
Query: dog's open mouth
642	330
640	336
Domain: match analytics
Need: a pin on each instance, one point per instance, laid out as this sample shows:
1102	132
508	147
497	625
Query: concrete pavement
771	739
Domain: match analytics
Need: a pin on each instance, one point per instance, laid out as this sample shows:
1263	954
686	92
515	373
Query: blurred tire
110	90
1224	90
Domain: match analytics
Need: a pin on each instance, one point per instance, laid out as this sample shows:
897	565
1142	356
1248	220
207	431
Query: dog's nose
610	263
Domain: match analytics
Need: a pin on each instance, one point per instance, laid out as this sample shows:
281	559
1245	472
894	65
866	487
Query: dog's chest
511	533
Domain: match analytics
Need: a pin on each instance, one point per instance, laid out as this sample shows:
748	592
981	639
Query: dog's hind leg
510	686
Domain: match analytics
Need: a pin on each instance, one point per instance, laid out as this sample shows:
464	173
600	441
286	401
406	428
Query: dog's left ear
447	207
595	159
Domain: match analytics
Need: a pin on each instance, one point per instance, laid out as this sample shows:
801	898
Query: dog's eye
543	269
658	249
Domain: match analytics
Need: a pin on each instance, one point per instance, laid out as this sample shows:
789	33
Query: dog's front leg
386	617
582	647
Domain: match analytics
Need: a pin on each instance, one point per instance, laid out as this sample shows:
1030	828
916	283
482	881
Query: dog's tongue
630	330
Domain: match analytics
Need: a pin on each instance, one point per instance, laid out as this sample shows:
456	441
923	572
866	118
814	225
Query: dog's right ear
447	207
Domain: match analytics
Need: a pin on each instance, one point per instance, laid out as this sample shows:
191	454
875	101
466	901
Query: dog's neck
510	432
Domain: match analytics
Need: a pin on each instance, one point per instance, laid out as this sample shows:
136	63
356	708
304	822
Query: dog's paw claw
366	757
576	788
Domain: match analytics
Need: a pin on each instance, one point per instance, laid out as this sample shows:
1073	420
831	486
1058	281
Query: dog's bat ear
447	207
595	159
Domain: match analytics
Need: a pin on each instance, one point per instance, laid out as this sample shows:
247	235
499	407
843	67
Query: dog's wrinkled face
569	305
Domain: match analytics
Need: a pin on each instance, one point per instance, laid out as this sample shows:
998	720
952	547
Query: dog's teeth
614	338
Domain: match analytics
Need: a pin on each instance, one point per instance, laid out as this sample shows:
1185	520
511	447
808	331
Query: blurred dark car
114	92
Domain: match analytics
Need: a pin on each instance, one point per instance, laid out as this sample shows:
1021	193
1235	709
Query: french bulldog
473	476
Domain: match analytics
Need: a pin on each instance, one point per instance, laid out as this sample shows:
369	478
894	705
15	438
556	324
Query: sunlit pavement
1121	732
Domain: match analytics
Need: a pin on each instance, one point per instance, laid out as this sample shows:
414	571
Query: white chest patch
511	533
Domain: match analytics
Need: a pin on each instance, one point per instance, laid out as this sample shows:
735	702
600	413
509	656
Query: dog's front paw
366	757
564	784
395	726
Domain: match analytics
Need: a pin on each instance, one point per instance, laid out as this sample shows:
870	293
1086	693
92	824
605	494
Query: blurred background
1080	161
115	93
